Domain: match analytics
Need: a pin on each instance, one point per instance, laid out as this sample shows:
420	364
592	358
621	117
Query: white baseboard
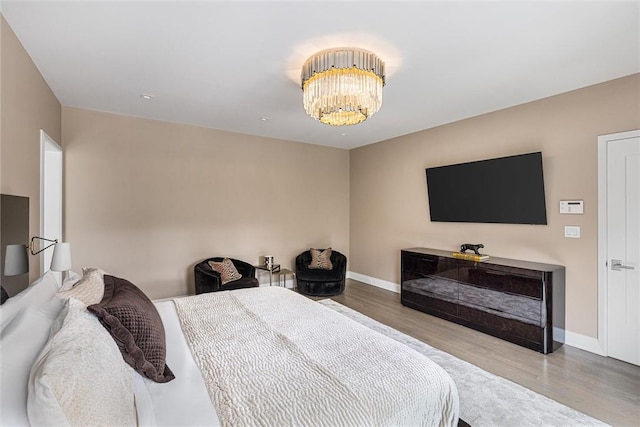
573	339
583	342
379	283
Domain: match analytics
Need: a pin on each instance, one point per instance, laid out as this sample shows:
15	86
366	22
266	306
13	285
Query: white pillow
26	322
36	294
86	270
89	289
70	281
80	377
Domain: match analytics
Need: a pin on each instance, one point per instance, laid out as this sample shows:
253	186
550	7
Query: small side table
282	274
274	269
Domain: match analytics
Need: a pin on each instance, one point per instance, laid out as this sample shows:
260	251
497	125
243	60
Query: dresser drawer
502	304
419	264
522	333
503	281
430	304
431	286
429	265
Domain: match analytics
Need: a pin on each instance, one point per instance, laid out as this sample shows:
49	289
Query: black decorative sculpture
469	246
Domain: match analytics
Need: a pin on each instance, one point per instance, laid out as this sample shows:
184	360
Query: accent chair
209	280
318	281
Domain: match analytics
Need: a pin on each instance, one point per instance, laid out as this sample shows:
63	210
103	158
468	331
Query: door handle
617	265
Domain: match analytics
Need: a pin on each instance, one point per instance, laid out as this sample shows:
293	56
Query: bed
259	356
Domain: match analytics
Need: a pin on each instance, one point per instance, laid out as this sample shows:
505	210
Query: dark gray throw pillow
3	295
135	325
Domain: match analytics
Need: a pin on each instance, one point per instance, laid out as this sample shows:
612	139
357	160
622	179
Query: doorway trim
603	256
50	166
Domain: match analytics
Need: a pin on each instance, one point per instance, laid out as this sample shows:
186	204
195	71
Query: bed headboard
14	229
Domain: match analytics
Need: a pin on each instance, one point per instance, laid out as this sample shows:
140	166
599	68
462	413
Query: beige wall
389	209
146	200
27	105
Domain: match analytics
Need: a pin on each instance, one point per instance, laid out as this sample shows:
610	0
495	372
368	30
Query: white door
623	247
50	197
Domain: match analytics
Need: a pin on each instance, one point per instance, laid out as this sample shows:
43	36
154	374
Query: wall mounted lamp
16	260
32	244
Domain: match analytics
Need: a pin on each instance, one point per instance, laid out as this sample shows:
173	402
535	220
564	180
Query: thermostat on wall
571	206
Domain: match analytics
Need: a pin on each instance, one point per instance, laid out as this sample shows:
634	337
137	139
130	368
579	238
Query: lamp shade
61	260
15	260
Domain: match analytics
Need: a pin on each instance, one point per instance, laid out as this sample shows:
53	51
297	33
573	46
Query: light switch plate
572	231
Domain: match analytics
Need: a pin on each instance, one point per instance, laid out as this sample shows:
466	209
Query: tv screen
506	190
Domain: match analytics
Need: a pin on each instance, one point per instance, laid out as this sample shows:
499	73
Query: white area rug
485	399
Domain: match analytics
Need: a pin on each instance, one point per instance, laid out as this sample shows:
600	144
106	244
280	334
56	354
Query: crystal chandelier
342	86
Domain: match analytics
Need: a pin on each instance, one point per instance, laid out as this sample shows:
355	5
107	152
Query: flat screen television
505	190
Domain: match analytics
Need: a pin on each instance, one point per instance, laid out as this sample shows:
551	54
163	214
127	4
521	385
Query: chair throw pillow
136	326
321	259
228	271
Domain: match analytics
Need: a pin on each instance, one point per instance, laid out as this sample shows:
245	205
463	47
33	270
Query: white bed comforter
272	357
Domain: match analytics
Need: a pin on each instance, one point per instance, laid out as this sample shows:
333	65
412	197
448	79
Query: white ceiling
225	64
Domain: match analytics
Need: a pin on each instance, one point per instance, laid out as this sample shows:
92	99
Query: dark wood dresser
518	301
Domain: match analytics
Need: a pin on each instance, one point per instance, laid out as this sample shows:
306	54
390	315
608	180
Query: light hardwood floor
601	387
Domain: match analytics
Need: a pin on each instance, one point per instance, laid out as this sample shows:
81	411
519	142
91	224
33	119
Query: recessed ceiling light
146	96
264	119
343	134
